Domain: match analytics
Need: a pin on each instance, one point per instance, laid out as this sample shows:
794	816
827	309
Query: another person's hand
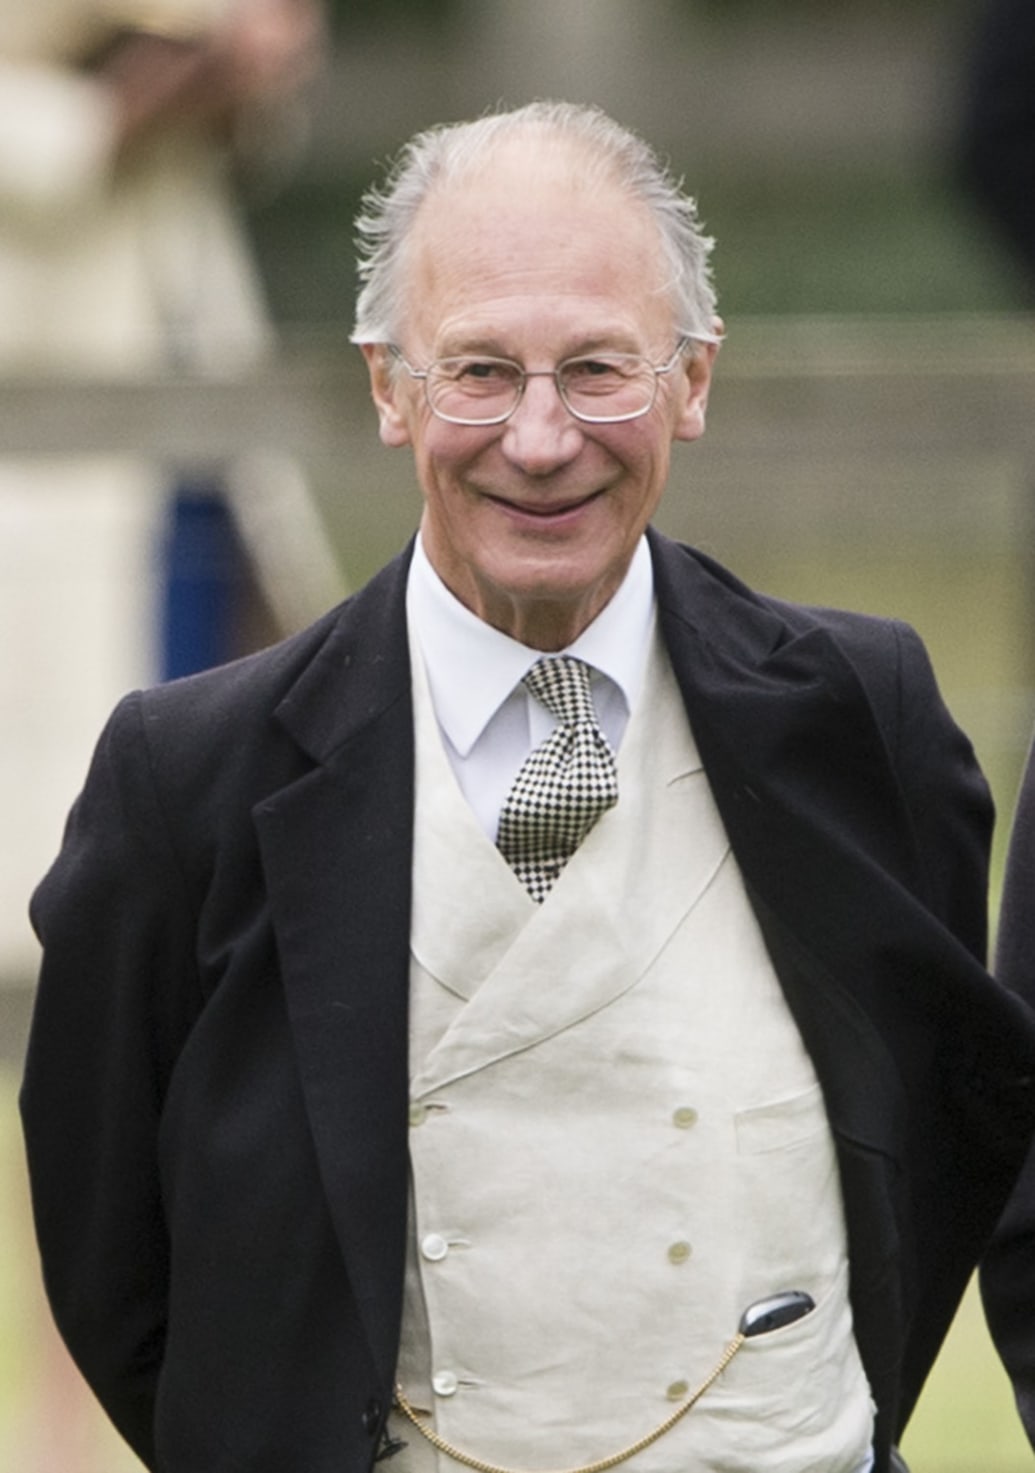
264	50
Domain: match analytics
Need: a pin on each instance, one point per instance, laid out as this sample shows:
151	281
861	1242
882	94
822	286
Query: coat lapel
788	737
336	847
801	766
800	772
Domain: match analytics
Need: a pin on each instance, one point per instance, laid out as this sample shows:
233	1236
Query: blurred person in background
536	1017
121	253
997	141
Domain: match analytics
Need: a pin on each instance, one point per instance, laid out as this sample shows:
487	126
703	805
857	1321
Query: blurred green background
820	141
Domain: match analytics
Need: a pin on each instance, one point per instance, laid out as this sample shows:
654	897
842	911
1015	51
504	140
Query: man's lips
545	511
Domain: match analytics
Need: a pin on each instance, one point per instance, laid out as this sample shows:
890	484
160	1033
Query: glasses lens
474	390
611	386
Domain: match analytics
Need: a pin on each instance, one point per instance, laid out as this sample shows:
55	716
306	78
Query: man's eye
482	371
591	367
594	374
478	370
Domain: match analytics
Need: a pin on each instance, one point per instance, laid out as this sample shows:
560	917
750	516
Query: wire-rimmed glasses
597	388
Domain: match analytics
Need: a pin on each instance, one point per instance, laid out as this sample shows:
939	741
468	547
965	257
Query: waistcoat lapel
501	960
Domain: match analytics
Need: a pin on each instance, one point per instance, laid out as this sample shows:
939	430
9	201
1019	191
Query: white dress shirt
489	721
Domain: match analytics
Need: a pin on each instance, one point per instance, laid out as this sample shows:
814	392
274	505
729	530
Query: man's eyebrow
468	345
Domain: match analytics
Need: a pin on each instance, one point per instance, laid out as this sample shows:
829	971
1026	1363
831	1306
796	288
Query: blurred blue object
205	577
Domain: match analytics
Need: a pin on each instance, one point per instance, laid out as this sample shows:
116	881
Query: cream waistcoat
618	1143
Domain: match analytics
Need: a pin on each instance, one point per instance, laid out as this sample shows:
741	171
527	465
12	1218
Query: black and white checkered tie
566	783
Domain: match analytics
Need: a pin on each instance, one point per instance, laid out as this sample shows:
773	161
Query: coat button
371	1416
684	1117
679	1252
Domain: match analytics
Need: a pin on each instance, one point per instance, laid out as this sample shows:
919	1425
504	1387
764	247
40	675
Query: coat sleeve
1008	1270
947	795
117	988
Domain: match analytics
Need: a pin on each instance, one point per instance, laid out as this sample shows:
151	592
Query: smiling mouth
549	511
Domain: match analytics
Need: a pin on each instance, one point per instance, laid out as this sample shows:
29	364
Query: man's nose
541	435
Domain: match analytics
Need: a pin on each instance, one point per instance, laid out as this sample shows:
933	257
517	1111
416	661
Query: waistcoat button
434	1247
444	1383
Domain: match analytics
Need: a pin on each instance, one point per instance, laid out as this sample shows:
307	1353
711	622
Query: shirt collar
472	667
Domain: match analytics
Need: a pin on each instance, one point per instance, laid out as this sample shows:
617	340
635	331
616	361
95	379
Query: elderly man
535	1019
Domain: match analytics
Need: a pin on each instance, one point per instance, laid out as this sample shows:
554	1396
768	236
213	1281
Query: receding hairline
577	147
540	155
533	141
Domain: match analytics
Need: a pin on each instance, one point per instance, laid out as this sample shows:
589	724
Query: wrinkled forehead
535	216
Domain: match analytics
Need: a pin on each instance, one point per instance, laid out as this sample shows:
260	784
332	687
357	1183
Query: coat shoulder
210	746
697	590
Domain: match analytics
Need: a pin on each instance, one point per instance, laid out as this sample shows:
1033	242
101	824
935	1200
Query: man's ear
385	387
697	384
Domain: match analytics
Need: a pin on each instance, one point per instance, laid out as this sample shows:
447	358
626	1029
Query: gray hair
444	154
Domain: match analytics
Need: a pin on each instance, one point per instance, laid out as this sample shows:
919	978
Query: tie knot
561	683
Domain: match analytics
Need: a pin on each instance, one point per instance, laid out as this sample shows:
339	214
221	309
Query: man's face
532	523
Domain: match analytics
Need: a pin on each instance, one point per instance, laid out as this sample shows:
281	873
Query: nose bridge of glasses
556	374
